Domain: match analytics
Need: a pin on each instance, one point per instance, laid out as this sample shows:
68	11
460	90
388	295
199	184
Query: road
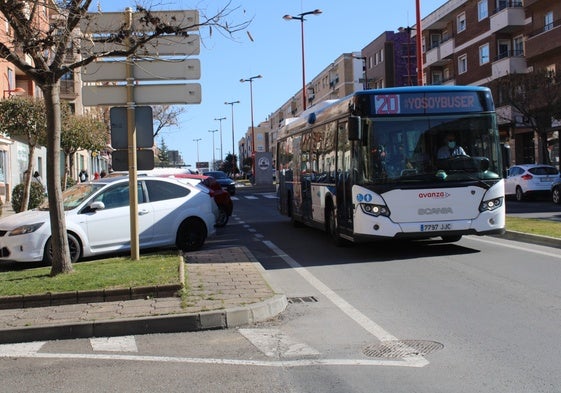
480	315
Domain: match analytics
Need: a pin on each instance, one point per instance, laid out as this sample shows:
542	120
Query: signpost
137	79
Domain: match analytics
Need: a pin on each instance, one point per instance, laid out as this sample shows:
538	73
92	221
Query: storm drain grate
302	299
401	348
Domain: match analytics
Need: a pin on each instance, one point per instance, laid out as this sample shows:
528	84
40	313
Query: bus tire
451	239
290	210
331	226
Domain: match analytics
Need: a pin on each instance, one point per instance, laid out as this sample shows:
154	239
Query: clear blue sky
275	53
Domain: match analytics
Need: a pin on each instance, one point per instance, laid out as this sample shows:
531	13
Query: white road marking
515	247
251	197
274	343
21	349
114	344
362	320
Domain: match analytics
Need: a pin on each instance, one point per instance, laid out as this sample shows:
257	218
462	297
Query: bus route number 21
387	104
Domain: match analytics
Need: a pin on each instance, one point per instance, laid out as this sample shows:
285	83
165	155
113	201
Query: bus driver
450	149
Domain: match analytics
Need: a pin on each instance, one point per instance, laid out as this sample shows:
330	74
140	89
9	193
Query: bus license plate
436	227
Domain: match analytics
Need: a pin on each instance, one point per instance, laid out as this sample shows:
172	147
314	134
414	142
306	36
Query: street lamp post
213	157
197	140
253	148
300	17
220	120
233	157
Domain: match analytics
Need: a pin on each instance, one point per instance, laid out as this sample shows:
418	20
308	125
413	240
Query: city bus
367	167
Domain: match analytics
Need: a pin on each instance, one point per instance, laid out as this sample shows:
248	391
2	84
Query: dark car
223	179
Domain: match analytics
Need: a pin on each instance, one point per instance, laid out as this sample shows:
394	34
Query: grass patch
534	226
111	273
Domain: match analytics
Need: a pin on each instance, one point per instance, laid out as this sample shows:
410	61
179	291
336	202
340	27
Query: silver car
528	180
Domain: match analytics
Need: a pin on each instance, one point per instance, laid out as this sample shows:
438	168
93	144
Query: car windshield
74	196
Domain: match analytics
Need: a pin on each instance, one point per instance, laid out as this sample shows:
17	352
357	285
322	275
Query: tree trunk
61	253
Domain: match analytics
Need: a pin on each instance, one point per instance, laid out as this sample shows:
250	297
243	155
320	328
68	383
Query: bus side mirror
355	130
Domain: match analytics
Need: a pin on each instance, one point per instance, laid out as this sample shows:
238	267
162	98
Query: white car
527	180
170	213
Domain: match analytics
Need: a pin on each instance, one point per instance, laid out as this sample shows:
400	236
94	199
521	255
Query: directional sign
161	94
171	45
103	71
102	23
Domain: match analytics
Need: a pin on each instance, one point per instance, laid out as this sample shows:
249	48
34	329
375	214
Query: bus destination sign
441	102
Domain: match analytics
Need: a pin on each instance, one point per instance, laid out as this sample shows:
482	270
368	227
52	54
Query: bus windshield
444	148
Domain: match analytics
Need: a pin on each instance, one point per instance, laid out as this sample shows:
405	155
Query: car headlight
375	210
24	229
491	204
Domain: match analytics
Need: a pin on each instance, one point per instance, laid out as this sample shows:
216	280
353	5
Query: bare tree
39	48
166	116
536	96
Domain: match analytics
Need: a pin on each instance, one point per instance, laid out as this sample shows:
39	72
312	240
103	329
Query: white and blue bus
368	167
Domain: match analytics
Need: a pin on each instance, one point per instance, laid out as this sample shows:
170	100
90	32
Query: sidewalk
227	288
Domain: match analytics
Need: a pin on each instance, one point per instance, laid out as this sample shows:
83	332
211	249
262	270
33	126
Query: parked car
221	197
556	191
171	213
527	180
223	179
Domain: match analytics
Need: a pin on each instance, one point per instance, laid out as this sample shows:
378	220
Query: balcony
508	18
512	62
544	40
440	54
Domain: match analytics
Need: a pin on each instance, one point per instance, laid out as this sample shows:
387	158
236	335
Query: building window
461	22
462	64
548	21
482	10
503	49
518	46
484	54
436	77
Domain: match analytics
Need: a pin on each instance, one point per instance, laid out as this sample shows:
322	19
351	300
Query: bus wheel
295	223
451	239
332	227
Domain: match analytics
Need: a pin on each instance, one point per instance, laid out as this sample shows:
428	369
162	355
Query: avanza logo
434	195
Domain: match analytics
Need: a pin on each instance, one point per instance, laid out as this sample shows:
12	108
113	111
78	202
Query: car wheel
191	235
73	244
519	194
222	218
555	195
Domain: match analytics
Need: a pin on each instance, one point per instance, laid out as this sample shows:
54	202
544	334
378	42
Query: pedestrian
83	176
96	176
37	178
103	174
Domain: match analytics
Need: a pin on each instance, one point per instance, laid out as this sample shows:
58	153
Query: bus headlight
491	204
375	210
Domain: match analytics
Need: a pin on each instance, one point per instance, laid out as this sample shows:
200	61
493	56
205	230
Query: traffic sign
103	71
144	160
144	124
160	94
169	45
102	23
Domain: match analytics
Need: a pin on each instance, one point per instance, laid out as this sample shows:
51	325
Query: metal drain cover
302	299
401	348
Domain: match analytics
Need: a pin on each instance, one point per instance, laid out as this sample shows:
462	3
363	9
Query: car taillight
526	177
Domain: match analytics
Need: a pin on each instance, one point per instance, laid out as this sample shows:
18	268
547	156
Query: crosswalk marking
256	196
114	344
274	343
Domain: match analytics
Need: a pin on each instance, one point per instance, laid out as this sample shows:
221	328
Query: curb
212	320
533	239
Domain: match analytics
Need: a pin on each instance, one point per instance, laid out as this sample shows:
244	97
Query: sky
271	47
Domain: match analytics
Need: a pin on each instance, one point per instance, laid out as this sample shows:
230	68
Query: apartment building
474	42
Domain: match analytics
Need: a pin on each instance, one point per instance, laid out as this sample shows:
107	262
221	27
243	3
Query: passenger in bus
450	148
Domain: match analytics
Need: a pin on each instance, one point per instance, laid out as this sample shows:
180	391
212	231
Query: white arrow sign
104	71
189	93
96	23
171	45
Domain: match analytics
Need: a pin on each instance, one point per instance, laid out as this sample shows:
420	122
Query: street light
220	120
233	157
363	58
197	140
250	80
213	159
300	17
